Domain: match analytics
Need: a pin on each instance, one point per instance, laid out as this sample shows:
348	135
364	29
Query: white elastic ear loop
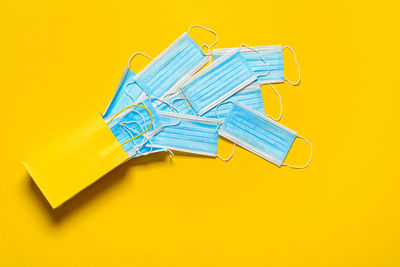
219	124
216	112
298	67
126	112
171	154
129	63
262	58
135	54
144	123
228	158
209	51
123	114
213	32
280	102
135	146
176	99
302	167
170	95
145	136
173	109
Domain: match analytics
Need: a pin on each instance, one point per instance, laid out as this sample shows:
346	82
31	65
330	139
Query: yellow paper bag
75	160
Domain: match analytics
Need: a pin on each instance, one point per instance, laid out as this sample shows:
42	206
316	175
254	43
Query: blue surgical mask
165	73
215	83
249	96
187	133
272	55
259	134
140	120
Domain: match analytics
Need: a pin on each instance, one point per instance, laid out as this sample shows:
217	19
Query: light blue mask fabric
257	133
191	134
180	103
118	100
133	122
164	74
272	55
215	83
249	96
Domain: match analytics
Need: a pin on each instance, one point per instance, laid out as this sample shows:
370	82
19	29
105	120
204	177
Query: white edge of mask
147	153
232	92
265	118
184	78
140	74
188	117
210	67
183	150
249	147
270	81
271	48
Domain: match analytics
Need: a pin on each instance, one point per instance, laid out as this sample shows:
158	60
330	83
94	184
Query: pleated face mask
215	83
186	133
272	55
259	134
134	127
249	96
165	73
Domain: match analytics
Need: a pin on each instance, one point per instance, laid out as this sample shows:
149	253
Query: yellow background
61	59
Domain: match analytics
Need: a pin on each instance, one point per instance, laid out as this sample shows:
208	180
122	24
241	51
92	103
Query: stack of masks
174	104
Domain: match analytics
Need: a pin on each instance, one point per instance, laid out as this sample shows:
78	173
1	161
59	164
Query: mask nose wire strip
297	64
262	58
280	102
213	32
302	167
128	107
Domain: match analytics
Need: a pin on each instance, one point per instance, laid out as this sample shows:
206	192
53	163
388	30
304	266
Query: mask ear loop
135	146
185	98
131	106
298	67
172	108
140	115
268	71
127	128
280	102
219	124
202	45
228	158
171	154
145	136
129	64
135	54
302	167
262	58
